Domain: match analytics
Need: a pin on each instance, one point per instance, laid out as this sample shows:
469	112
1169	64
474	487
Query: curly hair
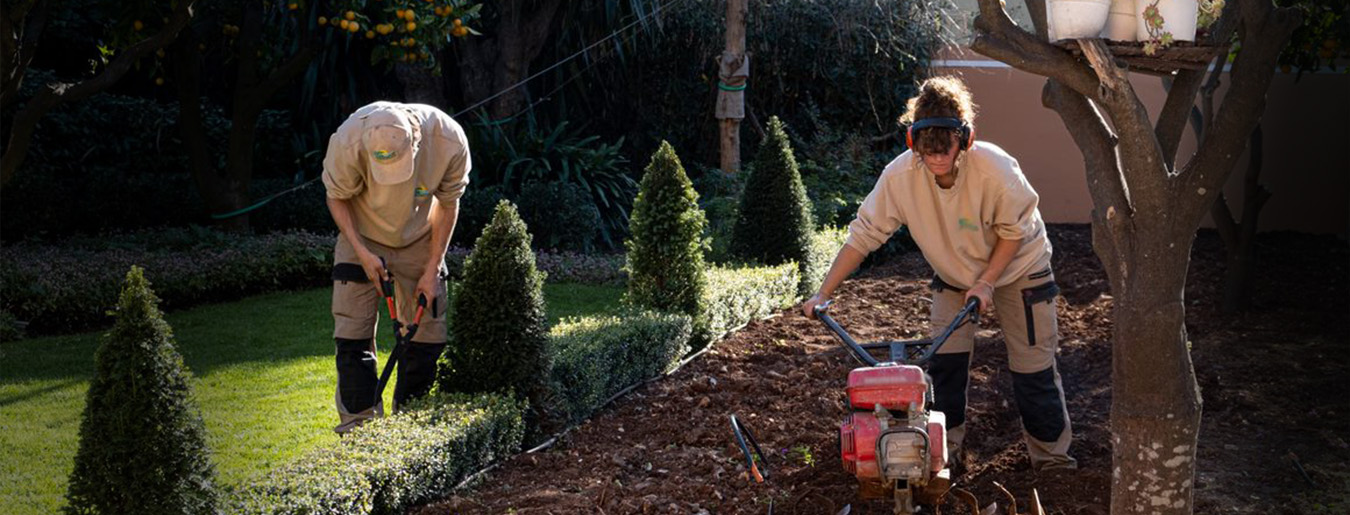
939	97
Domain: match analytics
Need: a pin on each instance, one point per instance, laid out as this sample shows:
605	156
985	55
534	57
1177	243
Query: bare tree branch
25	121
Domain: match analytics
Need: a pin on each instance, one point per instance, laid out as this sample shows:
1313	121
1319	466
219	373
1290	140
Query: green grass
263	379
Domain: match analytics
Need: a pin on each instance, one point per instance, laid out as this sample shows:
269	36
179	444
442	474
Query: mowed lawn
263	379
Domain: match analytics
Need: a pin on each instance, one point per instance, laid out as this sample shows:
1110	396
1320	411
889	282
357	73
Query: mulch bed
1273	380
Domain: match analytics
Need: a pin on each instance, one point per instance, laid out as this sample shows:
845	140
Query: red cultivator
892	440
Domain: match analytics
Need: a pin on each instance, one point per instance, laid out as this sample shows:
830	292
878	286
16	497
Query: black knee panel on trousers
1038	401
416	371
356	374
951	374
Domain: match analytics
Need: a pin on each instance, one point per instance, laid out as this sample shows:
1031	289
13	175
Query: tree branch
1264	31
996	36
25	121
18	49
1090	132
1172	120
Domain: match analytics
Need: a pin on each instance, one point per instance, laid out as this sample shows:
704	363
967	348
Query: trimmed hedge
65	288
598	357
393	463
736	296
825	244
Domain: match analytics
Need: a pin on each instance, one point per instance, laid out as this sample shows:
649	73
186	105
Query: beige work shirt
956	228
396	215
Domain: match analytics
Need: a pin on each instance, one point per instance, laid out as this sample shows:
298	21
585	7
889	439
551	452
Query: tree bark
26	120
420	85
492	64
1145	216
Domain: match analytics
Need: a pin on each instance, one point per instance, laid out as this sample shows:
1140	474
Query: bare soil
1274	381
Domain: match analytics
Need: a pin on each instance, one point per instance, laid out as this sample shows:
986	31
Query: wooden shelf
1182	55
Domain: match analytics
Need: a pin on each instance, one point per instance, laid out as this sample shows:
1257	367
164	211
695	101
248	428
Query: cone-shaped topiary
499	335
665	252
774	222
142	443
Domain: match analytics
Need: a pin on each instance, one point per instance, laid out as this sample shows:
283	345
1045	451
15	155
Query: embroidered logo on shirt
421	191
965	224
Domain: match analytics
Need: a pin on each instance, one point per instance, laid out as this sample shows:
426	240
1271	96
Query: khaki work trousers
356	306
1026	312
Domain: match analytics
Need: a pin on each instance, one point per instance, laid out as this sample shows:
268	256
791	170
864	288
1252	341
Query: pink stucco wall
1307	143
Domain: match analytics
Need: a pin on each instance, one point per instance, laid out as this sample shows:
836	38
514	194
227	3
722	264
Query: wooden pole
733	73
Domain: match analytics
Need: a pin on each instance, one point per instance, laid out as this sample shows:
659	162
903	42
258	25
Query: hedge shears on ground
402	334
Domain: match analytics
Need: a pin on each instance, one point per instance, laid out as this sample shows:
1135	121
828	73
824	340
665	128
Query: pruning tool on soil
402	334
743	435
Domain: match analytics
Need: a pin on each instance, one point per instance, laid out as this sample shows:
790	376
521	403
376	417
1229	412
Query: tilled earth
1274	383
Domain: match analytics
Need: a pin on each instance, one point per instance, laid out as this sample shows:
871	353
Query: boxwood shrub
599	356
393	463
737	295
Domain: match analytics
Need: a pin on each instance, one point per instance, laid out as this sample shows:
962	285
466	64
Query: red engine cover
894	387
858	444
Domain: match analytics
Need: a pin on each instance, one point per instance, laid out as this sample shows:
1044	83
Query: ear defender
967	132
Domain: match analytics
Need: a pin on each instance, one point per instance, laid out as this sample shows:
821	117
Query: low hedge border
67	288
737	295
393	463
61	288
598	357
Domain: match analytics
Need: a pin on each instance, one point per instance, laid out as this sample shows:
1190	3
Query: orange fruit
323	21
351	15
137	25
411	26
398	13
460	31
342	24
159	81
370	34
458	22
292	6
354	27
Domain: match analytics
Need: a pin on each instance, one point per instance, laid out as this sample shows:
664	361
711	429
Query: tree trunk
228	193
733	71
491	65
186	62
420	86
1155	400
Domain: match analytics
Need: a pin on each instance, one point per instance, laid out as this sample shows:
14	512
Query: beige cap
389	138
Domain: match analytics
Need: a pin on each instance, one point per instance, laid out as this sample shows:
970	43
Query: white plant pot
1073	19
1179	18
1122	23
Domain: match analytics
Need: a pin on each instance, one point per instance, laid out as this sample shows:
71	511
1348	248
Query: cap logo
384	155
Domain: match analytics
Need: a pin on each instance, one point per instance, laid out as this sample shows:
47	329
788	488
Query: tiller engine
892	441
